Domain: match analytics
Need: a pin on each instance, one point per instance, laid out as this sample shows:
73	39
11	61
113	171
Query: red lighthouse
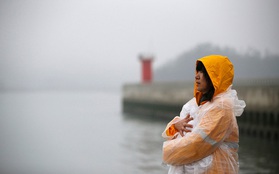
146	64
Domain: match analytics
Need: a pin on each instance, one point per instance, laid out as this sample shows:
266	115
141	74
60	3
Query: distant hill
250	65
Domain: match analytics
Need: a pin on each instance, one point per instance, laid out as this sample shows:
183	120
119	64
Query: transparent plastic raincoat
212	145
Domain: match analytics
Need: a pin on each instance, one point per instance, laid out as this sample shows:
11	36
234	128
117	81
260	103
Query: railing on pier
165	100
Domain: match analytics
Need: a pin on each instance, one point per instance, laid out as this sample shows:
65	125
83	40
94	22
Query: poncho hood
221	72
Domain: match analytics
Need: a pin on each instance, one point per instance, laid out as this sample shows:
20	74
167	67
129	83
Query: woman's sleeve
170	130
202	141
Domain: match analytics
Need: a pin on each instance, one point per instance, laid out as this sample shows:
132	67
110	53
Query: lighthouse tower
146	67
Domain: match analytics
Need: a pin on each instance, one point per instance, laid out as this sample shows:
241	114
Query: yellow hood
221	72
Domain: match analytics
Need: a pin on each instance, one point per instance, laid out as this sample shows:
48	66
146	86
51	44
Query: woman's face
201	83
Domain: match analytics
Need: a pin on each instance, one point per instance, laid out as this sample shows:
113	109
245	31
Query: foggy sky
97	43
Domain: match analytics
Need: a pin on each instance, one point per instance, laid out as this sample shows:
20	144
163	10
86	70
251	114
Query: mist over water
85	132
83	44
74	132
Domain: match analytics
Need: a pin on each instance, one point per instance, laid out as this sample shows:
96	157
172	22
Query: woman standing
212	144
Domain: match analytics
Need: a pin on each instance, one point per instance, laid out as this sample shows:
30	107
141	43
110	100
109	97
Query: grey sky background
54	43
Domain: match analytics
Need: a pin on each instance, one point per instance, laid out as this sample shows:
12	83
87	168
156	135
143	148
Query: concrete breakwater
164	100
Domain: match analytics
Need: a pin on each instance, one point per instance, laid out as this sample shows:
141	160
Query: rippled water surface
85	132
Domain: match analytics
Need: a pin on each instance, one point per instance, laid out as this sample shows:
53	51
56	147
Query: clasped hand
183	124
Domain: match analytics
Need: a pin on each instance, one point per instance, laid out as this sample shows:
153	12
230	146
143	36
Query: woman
212	144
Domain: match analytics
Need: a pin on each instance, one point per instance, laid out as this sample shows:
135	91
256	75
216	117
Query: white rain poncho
212	145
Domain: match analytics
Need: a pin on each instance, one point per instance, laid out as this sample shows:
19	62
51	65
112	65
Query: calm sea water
85	132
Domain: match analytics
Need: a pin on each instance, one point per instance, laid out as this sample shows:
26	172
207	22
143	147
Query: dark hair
209	95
